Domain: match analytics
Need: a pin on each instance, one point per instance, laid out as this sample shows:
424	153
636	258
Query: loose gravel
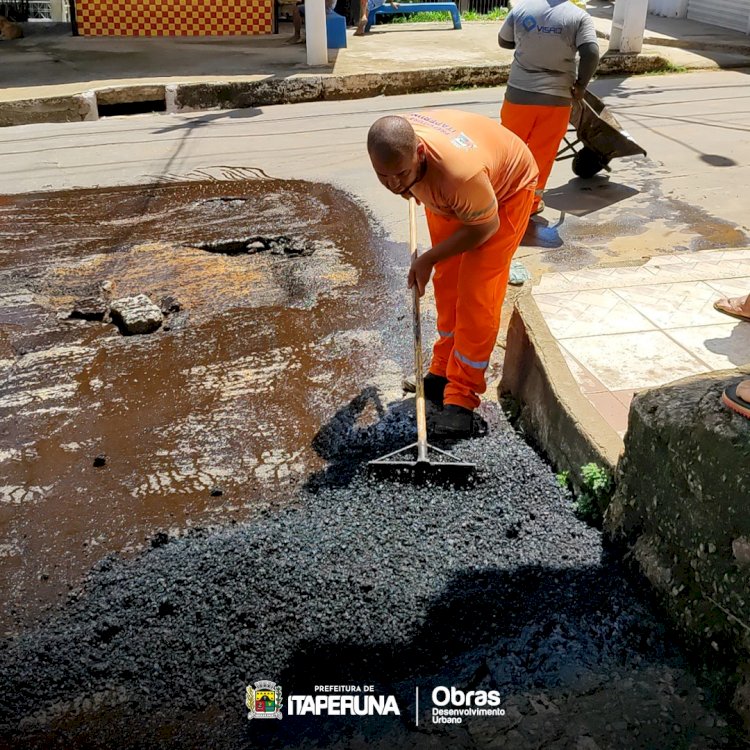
497	585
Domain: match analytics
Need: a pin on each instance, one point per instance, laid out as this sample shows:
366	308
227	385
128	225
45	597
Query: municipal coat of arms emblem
264	700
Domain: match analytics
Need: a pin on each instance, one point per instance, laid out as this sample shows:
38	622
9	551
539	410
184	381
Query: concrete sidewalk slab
582	344
59	77
625	329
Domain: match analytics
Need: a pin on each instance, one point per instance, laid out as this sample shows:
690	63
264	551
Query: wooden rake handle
417	327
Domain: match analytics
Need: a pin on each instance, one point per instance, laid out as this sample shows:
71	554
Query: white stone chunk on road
135	315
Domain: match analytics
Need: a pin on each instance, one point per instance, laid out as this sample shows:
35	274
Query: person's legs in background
737	396
363	11
365	8
541	128
297	14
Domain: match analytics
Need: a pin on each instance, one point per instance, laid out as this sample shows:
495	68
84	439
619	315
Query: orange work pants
541	128
469	293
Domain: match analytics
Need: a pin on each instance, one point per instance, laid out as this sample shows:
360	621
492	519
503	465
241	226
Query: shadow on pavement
581	197
199	122
735	347
575	647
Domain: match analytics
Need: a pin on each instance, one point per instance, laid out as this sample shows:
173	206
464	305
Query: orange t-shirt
473	164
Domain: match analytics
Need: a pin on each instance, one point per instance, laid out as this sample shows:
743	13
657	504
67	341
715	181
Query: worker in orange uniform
546	35
476	180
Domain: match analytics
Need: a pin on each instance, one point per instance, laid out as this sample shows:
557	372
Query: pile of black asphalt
494	586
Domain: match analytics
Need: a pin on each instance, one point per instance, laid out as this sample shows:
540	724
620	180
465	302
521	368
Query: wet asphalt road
267	345
497	586
211	417
275	381
314	574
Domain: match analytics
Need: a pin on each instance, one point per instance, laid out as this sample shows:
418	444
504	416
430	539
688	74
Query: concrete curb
73	108
294	89
553	412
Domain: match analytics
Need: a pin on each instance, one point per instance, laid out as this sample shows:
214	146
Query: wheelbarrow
599	135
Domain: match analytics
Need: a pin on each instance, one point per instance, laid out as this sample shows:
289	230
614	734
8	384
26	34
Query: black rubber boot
434	386
453	422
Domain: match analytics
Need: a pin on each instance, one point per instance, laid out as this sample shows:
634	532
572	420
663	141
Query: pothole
280	245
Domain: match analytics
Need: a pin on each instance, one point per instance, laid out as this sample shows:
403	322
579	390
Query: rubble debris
136	315
169	304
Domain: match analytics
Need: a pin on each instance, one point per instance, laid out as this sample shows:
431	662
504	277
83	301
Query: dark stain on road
624	218
208	419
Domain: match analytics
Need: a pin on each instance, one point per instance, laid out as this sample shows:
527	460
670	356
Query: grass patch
429	16
496	14
667	67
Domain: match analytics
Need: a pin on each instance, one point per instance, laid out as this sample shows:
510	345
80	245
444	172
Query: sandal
733	401
734	306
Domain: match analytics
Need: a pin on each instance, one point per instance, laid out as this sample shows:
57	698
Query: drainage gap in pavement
132	108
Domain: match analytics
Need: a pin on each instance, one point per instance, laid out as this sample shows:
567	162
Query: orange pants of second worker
469	293
541	128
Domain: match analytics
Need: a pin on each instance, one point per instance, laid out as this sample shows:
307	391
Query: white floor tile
675	305
720	346
738	287
591	312
586	381
634	360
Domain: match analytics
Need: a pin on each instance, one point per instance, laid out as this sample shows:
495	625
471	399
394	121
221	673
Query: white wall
668	8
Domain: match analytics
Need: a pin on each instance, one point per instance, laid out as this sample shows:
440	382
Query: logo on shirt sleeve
463	142
529	23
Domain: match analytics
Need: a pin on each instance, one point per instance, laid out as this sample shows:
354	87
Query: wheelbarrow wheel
586	163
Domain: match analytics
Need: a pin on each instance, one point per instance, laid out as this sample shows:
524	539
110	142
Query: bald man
476	180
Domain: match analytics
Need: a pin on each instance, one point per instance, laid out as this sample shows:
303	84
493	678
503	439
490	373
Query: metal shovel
445	467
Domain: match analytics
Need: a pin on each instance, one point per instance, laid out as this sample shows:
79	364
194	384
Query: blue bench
387	10
335	30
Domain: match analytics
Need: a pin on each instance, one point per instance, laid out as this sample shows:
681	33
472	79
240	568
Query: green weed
595	493
563	479
496	14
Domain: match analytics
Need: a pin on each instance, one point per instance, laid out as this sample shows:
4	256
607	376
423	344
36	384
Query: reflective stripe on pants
469	293
541	128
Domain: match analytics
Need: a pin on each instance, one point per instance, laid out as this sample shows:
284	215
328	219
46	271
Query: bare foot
743	390
361	27
737	307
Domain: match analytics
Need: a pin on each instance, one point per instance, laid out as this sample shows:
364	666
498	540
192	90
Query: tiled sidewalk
624	329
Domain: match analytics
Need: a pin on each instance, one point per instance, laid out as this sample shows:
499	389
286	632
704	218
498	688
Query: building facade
728	14
174	17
